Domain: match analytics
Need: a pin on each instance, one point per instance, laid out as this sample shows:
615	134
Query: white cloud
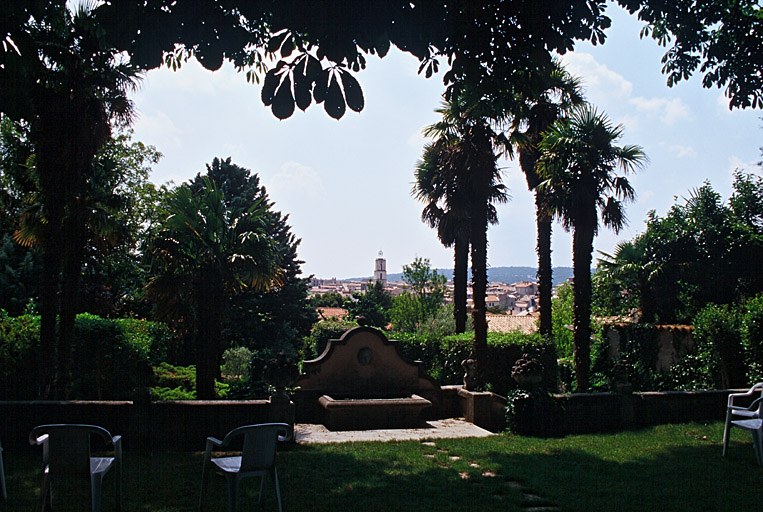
598	80
683	151
671	110
737	163
296	182
158	128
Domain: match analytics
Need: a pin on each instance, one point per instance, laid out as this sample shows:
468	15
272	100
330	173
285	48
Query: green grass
665	468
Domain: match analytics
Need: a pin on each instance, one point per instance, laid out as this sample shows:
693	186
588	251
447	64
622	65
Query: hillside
496	274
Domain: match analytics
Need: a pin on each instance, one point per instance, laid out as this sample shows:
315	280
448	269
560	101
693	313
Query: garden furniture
258	458
737	412
66	456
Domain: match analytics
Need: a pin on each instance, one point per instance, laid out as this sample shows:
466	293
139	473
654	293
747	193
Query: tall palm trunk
528	156
545	269
460	277
209	324
582	249
479	287
483	172
72	270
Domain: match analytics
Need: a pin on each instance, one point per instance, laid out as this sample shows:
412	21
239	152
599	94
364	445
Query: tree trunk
460	271
209	300
582	248
74	242
545	269
51	268
478	237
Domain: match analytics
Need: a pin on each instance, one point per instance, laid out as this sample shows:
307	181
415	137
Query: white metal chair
258	458
737	412
66	455
3	492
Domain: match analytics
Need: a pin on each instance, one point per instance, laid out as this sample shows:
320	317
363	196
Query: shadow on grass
360	476
669	468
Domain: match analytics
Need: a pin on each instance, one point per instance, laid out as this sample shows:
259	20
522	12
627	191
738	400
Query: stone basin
353	413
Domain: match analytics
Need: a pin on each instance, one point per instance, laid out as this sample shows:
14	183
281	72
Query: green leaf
283	102
269	87
334	106
288	46
276	41
302	88
321	86
352	92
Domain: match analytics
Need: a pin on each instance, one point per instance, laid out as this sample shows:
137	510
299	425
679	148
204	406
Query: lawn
665	468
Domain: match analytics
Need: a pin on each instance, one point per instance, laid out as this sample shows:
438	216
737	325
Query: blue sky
346	184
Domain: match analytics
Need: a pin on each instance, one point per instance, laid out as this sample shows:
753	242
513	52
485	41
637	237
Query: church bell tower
380	269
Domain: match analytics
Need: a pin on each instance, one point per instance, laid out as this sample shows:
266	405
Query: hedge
442	357
109	357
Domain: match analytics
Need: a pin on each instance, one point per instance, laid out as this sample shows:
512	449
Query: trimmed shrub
442	357
109	357
19	339
321	333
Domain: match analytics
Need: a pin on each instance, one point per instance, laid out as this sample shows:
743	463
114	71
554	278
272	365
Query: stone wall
167	425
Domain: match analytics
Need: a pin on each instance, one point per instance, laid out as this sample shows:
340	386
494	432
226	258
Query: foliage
442	357
720	326
275	319
427	292
327	300
110	357
236	362
562	318
210	249
373	305
179	383
321	333
699	252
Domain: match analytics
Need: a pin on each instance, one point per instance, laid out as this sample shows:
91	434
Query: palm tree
75	88
532	116
446	212
207	252
577	163
459	171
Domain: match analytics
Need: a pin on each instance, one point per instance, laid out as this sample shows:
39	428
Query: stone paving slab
435	429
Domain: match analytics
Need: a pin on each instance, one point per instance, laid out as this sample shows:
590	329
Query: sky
346	185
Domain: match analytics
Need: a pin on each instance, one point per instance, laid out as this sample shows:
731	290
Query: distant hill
506	275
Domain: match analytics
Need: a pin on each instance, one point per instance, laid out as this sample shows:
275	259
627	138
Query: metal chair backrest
259	448
67	452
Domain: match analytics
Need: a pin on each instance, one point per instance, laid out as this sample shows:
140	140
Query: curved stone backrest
364	363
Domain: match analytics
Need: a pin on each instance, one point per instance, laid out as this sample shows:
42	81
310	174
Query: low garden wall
166	425
184	425
583	413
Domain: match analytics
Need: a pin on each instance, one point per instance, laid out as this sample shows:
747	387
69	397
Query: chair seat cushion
228	464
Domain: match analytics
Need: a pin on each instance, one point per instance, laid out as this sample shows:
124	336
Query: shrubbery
109	357
442	357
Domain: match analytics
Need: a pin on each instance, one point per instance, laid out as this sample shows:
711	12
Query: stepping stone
488	474
454	457
513	484
474	464
429	455
464	475
428	443
532	497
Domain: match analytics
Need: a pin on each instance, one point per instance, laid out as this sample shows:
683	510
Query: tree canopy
317	46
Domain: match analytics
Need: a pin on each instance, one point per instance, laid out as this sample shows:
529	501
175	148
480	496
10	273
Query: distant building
380	270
